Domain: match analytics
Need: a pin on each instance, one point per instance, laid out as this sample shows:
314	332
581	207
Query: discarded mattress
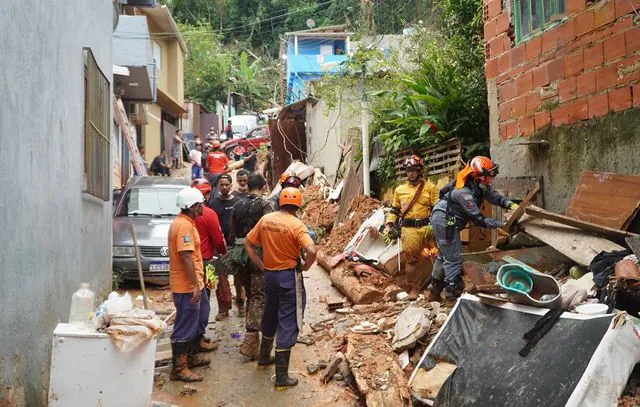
473	360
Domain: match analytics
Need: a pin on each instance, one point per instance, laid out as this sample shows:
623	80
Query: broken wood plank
517	214
605	198
356	291
377	371
634	245
576	244
330	370
614	234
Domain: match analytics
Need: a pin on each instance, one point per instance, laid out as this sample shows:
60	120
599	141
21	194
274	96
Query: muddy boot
205	345
282	370
222	316
251	345
180	370
265	358
454	289
242	310
436	290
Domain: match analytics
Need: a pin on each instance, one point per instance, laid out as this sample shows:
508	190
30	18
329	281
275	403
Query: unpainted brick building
558	71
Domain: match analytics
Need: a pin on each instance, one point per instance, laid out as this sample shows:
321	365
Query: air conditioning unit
139	3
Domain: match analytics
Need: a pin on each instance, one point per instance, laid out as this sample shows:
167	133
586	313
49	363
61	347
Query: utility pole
367	12
229	93
365	134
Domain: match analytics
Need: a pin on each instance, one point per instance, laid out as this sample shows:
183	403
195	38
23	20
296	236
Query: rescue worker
186	279
282	237
217	163
411	207
288	179
460	202
211	243
244	216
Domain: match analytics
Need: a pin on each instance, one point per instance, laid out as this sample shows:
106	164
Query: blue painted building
311	54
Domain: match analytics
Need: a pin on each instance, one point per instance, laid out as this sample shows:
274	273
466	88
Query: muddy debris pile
319	213
360	209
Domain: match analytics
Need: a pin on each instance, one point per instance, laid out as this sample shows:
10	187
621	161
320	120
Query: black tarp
483	341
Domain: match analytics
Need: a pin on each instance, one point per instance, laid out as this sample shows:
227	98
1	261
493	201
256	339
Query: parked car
258	136
242	123
149	203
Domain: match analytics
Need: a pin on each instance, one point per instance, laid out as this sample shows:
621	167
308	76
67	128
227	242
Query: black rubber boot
266	345
282	370
435	290
454	289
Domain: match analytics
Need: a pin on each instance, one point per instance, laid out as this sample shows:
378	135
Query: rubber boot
282	370
251	345
454	289
205	345
196	359
436	290
180	370
265	358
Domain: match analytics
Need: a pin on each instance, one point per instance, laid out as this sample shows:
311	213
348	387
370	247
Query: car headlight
123	251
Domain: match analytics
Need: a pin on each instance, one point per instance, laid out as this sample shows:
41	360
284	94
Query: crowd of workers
266	247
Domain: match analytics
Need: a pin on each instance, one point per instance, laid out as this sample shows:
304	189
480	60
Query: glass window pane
548	9
524	17
536	15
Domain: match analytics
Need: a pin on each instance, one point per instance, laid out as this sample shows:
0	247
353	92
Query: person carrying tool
282	237
211	243
460	202
409	220
244	216
186	279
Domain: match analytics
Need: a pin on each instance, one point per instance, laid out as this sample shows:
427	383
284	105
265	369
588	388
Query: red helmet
414	162
202	185
290	179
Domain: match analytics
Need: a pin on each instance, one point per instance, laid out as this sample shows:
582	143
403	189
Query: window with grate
533	16
97	108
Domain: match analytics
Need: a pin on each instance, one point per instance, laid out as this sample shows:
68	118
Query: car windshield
150	202
238	128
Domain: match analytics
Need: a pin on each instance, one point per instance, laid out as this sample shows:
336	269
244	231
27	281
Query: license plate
159	267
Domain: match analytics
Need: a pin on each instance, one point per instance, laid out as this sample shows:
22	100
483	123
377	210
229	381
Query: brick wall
586	66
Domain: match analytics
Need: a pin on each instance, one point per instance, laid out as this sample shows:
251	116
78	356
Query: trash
402	296
592	309
441	318
404	359
413	323
188	390
305	339
335	305
519	281
627	270
365	327
576	272
312	368
82	306
338	377
331	368
117	303
236	335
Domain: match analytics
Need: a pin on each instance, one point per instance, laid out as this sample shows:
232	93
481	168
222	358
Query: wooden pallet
439	159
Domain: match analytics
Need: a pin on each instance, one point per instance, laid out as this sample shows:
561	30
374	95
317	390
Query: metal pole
140	275
365	136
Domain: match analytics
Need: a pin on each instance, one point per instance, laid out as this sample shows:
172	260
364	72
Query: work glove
428	233
513	206
389	234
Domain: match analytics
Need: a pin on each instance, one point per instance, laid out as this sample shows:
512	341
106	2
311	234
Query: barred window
533	16
97	164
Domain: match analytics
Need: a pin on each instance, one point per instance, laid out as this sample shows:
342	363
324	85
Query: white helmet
189	197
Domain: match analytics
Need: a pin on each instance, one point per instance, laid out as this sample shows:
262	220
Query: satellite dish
311	23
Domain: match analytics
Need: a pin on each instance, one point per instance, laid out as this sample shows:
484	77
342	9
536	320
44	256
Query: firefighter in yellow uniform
409	220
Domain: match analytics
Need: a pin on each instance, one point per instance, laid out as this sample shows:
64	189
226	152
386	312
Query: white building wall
53	235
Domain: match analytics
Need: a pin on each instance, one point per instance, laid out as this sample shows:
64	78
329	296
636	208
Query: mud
360	209
320	214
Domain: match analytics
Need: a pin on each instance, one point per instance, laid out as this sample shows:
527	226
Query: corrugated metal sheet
606	198
288	143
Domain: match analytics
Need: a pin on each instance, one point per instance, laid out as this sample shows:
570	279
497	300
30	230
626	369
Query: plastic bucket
515	277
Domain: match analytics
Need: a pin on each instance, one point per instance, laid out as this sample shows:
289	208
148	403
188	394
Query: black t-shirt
247	212
157	163
223	210
250	163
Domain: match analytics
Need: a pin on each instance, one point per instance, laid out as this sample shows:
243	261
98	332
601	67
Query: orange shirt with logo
281	236
183	236
216	161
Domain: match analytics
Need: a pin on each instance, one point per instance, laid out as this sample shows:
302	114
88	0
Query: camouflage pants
252	280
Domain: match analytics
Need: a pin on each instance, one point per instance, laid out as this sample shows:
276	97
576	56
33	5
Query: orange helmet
291	196
202	185
216	144
414	162
285	175
290	179
483	167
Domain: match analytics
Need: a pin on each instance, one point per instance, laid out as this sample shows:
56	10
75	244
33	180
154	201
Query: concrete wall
151	132
53	236
327	129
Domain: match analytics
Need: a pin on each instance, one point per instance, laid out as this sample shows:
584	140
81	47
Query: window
157	55
97	109
150	202
532	16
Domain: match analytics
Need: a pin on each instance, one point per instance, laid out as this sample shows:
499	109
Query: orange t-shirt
216	161
281	236
183	236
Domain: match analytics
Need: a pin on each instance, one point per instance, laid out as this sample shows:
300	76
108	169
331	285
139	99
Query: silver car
149	203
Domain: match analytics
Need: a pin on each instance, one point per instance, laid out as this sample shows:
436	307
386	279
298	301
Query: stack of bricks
586	66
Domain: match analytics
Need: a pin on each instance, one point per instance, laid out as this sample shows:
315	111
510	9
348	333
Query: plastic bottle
82	306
